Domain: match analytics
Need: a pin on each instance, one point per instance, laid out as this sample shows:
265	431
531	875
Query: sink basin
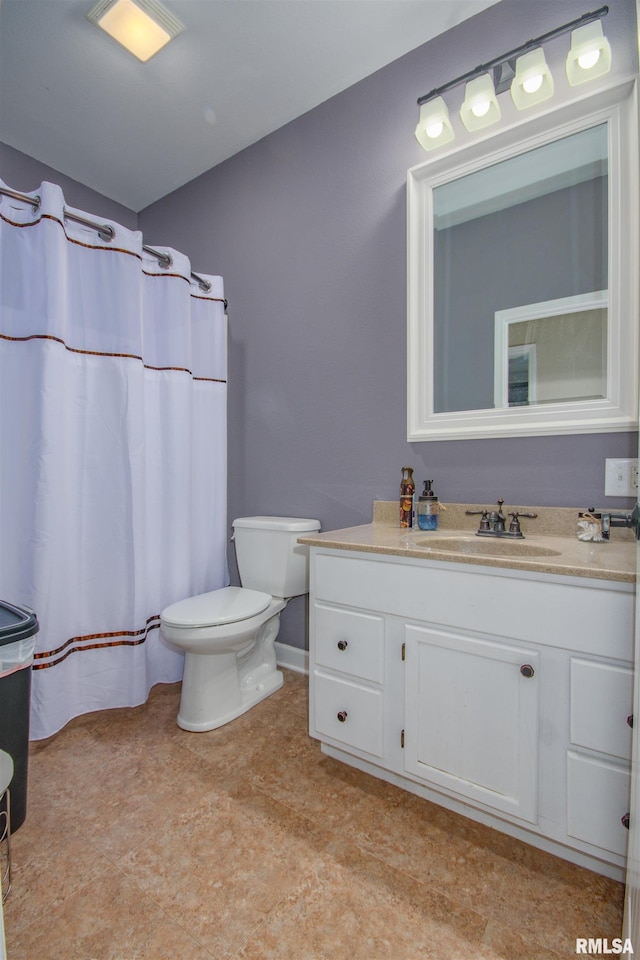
486	547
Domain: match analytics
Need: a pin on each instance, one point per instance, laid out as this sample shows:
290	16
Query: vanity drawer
598	799
349	713
601	701
349	641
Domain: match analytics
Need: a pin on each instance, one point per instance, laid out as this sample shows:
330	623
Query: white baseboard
292	658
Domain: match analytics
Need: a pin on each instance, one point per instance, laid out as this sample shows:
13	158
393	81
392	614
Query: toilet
228	635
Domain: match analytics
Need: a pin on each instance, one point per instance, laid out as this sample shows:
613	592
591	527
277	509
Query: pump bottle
427	508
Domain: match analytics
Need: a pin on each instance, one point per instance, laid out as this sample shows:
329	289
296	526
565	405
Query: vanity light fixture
143	27
524	71
533	82
434	126
590	54
480	107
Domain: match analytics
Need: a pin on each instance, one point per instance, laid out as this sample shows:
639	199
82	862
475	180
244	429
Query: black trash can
18	631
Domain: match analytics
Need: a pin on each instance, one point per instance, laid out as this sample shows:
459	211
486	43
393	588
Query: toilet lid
219	606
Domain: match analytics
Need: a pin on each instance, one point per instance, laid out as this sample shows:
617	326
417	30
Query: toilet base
249	698
218	687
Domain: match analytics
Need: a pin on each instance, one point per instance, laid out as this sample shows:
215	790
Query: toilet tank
269	555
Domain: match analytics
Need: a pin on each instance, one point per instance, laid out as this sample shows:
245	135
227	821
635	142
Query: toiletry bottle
407	490
427	508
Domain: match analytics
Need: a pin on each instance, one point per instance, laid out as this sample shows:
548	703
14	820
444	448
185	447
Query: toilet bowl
228	635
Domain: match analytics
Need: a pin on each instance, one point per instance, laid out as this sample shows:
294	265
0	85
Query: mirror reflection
552	352
520	259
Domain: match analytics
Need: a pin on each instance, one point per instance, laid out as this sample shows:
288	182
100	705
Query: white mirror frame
615	105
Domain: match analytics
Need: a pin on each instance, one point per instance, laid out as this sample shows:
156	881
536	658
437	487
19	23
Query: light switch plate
621	478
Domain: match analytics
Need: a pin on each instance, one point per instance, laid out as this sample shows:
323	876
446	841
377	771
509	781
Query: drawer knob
342	716
625	820
630	720
527	670
342	644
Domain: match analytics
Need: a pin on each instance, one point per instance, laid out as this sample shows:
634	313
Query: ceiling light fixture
524	71
141	26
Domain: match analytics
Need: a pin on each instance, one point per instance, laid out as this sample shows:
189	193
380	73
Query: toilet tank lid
293	524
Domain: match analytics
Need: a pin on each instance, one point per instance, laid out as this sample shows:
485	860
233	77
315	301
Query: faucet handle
514	526
484	519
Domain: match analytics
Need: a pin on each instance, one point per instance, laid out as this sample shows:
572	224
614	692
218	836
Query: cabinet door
471	723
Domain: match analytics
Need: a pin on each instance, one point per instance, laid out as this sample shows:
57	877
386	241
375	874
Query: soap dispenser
407	491
428	508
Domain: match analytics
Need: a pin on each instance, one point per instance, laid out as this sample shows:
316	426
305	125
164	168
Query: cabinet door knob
342	716
342	644
527	670
625	820
630	720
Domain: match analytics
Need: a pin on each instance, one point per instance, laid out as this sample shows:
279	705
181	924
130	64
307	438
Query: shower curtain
113	451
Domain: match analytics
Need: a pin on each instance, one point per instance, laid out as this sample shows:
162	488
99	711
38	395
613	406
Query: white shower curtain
113	451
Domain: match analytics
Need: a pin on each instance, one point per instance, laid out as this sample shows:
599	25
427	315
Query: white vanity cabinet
502	694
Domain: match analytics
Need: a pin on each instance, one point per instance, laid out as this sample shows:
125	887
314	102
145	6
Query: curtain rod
106	232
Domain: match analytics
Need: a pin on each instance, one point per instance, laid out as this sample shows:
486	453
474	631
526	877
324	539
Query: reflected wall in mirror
522	296
551	352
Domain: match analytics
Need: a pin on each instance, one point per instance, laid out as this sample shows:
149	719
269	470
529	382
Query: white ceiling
74	99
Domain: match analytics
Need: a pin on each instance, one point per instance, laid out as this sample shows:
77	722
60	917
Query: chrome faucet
492	524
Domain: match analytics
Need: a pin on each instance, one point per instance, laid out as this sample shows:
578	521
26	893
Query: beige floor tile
555	906
508	943
50	863
122	792
357	907
107	919
226	865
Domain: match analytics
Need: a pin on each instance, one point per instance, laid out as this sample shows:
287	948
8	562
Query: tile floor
144	842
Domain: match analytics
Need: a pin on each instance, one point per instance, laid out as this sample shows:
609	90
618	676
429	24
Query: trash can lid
16	623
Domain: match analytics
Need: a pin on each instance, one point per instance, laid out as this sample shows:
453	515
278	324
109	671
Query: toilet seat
228	605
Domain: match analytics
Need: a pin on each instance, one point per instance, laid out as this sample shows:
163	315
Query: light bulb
434	127
480	108
588	60
532	84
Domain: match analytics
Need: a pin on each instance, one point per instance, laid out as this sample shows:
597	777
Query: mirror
522	295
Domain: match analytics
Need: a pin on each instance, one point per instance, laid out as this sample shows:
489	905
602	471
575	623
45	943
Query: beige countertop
611	560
